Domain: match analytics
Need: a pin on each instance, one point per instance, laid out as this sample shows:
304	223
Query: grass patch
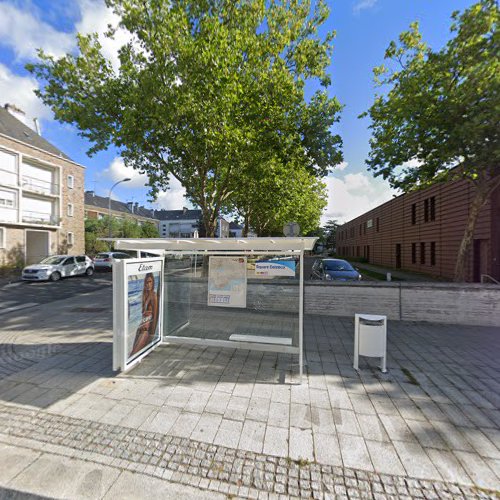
377	276
411	379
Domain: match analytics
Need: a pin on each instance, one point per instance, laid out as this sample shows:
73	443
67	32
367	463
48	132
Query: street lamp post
109	202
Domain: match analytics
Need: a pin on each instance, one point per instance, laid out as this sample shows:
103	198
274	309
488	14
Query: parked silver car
104	261
55	267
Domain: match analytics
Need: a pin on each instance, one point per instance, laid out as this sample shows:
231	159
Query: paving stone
276	441
384	458
415	461
301	444
354	452
229	433
478	470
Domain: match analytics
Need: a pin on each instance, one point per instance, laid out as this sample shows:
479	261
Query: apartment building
98	207
186	223
41	194
422	231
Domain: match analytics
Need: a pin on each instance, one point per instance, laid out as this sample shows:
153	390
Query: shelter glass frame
183	324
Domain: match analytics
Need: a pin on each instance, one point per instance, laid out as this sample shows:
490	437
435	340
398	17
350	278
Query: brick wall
16	234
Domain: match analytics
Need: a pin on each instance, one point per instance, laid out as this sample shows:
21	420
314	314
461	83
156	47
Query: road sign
291	229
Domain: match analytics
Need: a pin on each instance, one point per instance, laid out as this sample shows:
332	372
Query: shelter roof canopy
215	245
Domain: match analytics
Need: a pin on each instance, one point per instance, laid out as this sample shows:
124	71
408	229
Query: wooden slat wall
452	201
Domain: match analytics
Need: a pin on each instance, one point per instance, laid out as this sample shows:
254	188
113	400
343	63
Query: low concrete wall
465	304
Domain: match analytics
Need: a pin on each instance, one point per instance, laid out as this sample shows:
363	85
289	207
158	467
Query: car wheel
89	271
55	276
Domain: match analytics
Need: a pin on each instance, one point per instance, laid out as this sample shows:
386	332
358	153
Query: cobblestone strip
230	471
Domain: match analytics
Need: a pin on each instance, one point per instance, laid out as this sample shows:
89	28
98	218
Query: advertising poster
144	300
227	281
275	268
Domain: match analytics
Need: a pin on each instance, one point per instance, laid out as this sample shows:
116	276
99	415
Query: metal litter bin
370	338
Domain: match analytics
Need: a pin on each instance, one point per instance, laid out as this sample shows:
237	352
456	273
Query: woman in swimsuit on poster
147	328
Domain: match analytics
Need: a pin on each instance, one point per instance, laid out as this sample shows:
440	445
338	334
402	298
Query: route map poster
227	281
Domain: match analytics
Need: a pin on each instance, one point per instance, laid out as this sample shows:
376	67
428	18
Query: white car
55	267
104	261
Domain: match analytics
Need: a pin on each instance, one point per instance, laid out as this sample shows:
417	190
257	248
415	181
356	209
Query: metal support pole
301	316
109	206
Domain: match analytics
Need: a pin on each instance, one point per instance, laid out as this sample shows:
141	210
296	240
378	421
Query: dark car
334	270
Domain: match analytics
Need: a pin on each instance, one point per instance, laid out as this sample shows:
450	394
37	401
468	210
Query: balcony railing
40	218
39	186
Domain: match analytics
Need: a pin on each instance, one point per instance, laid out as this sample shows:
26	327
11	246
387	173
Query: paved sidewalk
238	423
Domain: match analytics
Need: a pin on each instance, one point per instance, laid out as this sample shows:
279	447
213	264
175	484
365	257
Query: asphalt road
21	295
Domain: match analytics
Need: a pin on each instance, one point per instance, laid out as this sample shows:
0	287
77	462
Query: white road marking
16	283
17	308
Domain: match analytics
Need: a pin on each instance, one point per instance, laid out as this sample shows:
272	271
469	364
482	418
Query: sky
364	29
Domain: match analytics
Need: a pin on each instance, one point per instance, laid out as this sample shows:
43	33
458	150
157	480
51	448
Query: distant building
236	231
186	223
97	207
421	231
41	194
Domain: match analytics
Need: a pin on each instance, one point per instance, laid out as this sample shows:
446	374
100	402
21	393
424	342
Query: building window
2	237
430	209
433	253
422	253
413	253
378	224
364	228
70	209
369	223
71	182
71	239
360	229
414	214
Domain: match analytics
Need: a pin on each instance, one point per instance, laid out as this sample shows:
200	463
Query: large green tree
204	90
441	112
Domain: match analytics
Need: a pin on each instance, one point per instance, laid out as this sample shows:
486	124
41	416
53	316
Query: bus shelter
243	293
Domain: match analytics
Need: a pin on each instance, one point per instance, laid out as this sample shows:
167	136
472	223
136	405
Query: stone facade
14	252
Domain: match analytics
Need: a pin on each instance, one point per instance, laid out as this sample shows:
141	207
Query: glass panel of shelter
270	315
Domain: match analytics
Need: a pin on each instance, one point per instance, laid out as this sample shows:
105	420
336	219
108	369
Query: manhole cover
90	309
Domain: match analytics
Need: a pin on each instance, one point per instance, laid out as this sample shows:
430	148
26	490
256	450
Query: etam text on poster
149	266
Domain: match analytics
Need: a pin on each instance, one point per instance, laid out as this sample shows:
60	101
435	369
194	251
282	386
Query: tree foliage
439	119
330	229
120	228
205	90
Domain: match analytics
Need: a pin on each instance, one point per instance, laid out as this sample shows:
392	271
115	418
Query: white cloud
18	90
172	199
95	19
353	195
118	171
24	33
342	166
364	5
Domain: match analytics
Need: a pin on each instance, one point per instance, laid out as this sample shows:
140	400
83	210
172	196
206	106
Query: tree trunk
245	226
482	192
